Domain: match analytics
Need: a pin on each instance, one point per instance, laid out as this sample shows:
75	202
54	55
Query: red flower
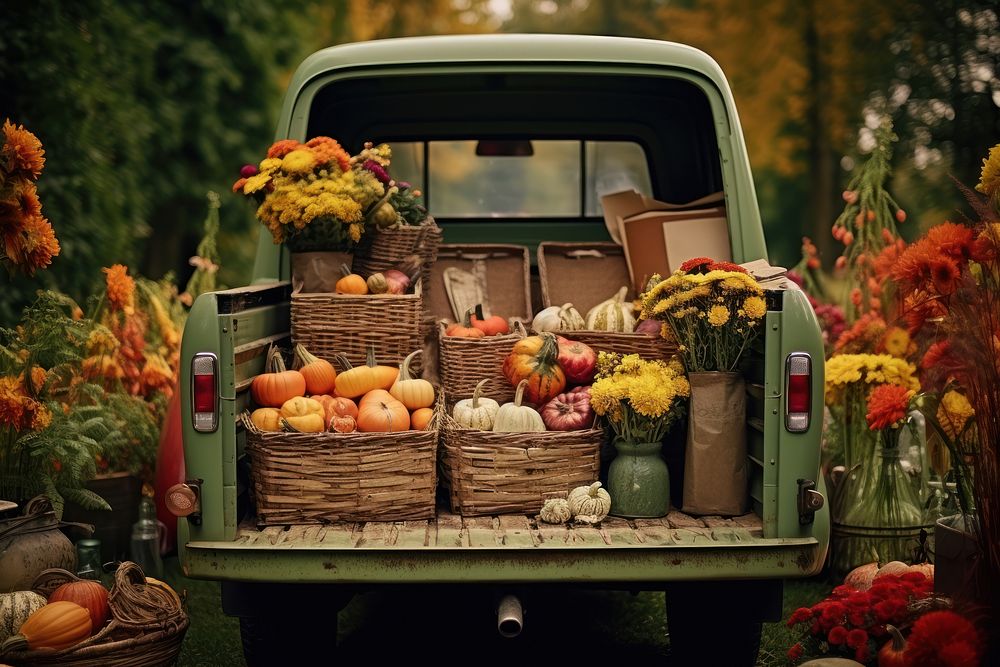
726	266
843	591
834	610
887	406
889	610
696	264
795	653
944	274
862	653
800	615
943	639
951	239
837	635
856	618
857	638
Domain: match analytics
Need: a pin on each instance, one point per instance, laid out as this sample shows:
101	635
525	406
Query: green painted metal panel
619	563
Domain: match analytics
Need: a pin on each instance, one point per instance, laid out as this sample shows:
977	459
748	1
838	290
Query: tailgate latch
809	501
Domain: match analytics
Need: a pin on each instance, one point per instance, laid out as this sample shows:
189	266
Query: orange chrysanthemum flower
887	259
22	151
945	275
283	147
863	336
121	289
328	151
23	203
33	246
951	239
20	411
887	406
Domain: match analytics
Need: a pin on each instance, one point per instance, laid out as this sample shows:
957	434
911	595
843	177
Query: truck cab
477	122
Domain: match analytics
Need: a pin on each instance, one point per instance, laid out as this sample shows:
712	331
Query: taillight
798	391
204	392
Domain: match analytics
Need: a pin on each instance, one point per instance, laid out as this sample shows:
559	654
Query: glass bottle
145	543
88	559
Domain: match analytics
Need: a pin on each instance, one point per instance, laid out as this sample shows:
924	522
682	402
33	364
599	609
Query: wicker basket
146	629
386	248
512	473
324	477
351	325
585	274
505	272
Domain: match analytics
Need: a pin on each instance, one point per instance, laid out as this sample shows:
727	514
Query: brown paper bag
318	271
715	457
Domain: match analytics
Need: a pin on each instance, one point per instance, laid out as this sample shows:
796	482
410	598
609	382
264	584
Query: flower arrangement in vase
641	400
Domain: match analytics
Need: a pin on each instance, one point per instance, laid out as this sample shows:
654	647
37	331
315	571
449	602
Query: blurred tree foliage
142	108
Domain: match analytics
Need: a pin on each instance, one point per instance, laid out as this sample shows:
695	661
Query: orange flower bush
27	241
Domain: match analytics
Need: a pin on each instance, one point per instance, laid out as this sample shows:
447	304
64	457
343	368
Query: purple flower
403	185
376	169
248	170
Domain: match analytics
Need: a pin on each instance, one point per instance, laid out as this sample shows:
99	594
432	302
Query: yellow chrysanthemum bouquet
713	308
639	399
315	196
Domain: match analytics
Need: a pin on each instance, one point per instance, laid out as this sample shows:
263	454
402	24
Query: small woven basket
386	248
585	274
146	629
466	361
325	477
351	324
514	473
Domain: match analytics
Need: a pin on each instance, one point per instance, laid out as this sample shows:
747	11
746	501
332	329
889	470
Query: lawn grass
573	623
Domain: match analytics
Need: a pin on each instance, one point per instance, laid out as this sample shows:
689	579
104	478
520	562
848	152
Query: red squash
578	361
89	594
570	411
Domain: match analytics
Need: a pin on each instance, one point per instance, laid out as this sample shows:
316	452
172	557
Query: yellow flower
255	183
101	341
897	341
989	181
718	316
845	370
299	162
953	413
755	307
354	231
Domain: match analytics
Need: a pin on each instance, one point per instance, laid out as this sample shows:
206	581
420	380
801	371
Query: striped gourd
613	314
15	608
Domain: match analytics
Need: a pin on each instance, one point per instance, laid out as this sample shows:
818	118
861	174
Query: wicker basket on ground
353	324
386	248
509	473
585	274
325	477
503	273
146	629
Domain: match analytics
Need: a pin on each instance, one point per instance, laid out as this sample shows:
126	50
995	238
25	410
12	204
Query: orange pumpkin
89	594
494	325
336	406
276	384
351	283
57	625
383	414
536	359
374	395
319	374
464	329
357	381
421	419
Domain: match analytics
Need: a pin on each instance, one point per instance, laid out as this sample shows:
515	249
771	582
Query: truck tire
719	622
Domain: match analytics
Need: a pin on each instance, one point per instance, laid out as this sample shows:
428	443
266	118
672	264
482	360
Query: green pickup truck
613	114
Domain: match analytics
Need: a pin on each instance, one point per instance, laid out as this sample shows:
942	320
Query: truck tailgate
508	548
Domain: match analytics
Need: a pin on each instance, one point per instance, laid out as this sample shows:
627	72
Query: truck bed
505	548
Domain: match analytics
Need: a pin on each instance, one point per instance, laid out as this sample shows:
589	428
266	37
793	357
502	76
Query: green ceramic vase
638	481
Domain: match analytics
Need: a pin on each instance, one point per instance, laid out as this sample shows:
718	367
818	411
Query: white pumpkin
516	418
476	412
589	504
558	318
613	314
15	608
555	510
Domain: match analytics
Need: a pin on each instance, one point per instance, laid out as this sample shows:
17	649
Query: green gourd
476	412
15	608
589	504
613	314
555	510
516	418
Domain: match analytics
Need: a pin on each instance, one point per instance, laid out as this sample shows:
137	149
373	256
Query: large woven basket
513	473
146	629
325	477
351	325
464	362
585	274
386	248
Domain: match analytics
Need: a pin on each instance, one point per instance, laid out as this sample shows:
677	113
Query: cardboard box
658	237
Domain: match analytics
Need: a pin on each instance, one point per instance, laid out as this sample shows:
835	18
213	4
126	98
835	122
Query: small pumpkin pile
316	399
476	324
584	504
614	314
392	281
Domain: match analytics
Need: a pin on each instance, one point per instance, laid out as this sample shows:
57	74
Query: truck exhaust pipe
510	616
